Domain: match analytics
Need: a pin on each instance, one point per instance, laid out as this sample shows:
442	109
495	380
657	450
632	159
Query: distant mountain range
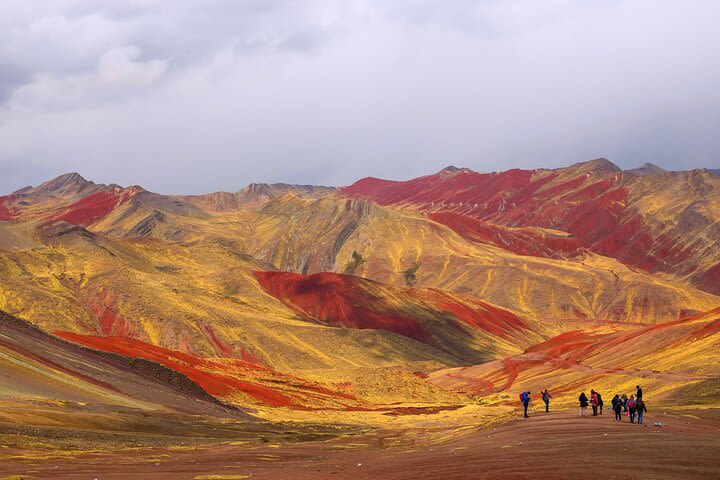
276	295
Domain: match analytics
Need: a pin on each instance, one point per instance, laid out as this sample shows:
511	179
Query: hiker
600	401
631	408
617	407
623	401
640	409
583	404
638	392
525	399
546	398
594	402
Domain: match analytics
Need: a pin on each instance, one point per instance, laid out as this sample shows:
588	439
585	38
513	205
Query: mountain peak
452	170
598	165
67	183
648	168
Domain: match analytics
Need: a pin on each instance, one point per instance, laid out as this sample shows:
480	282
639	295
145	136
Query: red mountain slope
675	354
421	314
92	208
42	366
225	378
5	213
338	300
520	240
661	221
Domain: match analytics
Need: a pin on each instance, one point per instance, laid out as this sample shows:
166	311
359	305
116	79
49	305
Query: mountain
299	298
255	193
40	366
648	168
674	359
478	330
653	223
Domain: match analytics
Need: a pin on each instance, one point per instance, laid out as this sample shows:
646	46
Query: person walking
600	401
631	408
617	408
525	399
640	409
593	402
546	398
638	392
583	404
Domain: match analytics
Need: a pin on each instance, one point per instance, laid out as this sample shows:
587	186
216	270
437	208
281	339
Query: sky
182	96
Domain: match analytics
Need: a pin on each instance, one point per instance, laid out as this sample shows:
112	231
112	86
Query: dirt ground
560	445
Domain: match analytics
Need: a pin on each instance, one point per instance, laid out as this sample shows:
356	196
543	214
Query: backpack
522	397
631	403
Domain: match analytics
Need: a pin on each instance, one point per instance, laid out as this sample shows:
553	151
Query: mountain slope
470	330
36	365
654	220
676	361
195	291
374	298
202	299
311	236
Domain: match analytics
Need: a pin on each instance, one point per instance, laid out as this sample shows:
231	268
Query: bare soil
559	445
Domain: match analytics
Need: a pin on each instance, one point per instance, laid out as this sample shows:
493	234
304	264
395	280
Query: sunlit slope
39	367
255	193
178	272
684	209
467	329
676	362
200	298
309	230
310	236
651	219
239	382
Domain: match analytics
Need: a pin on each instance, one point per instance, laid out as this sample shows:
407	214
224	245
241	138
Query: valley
301	329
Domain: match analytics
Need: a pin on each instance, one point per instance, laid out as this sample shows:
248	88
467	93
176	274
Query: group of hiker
525	398
633	406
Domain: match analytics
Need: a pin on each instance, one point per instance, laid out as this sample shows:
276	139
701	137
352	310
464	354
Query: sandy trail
556	446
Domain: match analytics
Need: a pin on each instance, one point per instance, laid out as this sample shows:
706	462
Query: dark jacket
638	393
583	400
640	406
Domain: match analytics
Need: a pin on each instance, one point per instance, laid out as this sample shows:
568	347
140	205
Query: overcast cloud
188	97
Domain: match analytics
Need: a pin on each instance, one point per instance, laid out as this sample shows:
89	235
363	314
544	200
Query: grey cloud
10	79
188	96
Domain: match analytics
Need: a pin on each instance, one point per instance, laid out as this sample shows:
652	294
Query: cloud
119	73
189	97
